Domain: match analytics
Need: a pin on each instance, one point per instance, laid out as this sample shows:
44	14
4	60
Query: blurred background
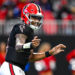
58	27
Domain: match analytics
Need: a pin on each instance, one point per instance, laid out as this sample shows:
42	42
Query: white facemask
34	27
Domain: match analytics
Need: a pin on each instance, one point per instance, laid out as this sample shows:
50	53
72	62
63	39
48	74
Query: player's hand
57	49
35	42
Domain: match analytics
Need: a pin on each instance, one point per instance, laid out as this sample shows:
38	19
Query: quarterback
22	42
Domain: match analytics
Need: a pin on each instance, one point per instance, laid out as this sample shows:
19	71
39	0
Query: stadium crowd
59	15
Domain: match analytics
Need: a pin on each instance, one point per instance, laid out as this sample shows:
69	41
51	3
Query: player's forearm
24	46
38	56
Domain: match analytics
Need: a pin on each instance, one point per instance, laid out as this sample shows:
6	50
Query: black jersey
18	58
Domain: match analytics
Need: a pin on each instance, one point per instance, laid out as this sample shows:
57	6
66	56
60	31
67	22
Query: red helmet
29	10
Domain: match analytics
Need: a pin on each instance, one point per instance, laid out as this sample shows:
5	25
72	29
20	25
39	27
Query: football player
21	42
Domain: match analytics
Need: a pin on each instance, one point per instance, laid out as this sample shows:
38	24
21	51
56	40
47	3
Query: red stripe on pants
11	69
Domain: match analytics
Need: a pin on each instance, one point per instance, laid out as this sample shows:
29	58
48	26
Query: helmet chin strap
34	27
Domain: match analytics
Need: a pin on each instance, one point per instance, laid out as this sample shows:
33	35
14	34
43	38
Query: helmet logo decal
25	11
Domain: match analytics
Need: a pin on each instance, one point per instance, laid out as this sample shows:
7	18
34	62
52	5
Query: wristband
47	54
28	46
